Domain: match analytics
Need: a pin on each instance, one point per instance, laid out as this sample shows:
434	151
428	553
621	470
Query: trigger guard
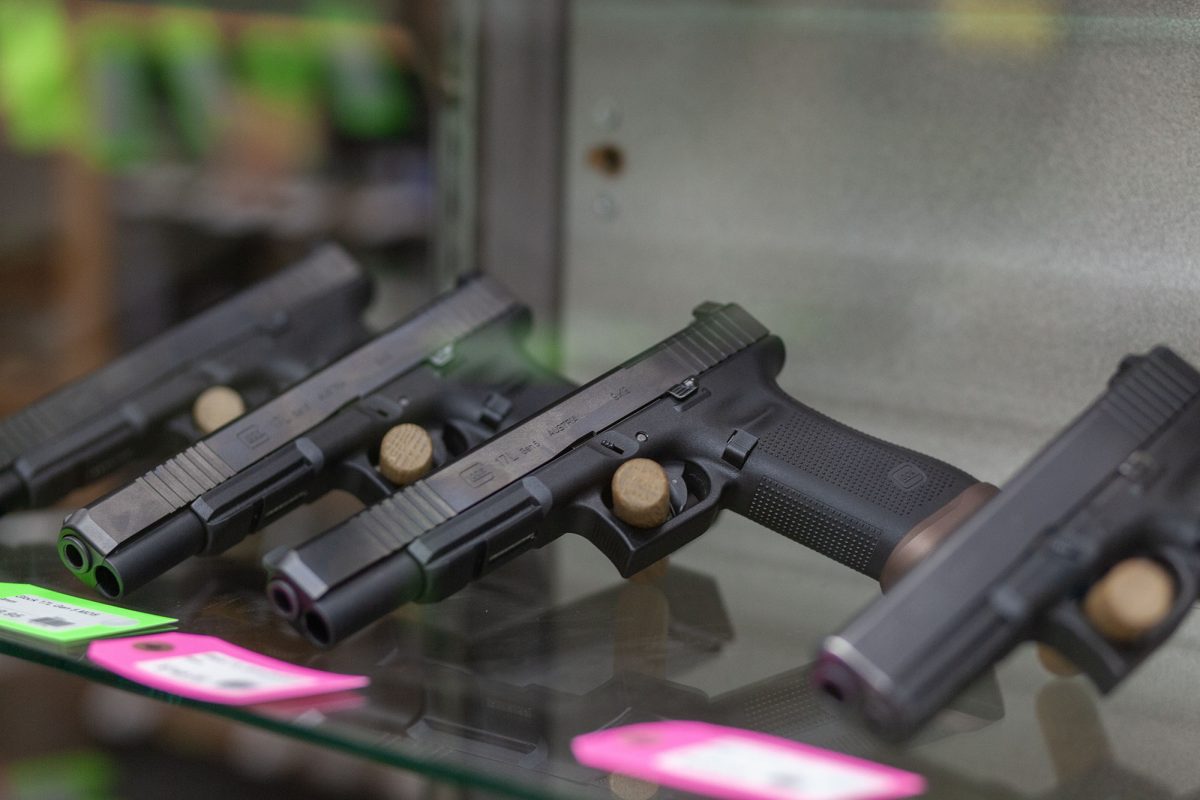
633	549
1068	630
467	434
181	431
1182	564
359	477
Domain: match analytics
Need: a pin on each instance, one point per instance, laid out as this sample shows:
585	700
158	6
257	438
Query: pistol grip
845	494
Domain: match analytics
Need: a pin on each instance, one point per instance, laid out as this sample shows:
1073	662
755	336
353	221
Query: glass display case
958	215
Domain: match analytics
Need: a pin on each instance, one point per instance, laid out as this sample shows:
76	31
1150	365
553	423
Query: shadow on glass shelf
490	686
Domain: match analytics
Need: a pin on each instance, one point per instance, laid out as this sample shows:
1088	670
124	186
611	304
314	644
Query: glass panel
957	214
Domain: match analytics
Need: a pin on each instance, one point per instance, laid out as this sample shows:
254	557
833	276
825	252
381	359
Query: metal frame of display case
499	148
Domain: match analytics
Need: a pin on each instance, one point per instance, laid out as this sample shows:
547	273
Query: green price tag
32	611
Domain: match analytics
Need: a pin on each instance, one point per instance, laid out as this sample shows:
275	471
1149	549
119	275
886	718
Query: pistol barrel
149	556
389	584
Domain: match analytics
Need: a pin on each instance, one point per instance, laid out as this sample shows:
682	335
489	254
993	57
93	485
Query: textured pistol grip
847	495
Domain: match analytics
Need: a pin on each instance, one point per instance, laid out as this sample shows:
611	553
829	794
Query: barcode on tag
42	612
763	770
220	673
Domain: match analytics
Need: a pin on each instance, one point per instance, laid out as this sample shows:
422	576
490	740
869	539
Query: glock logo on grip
477	475
907	476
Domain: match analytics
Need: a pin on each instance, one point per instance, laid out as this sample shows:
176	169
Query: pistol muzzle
356	603
149	555
74	553
838	677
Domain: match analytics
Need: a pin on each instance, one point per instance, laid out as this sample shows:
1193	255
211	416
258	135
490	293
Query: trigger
677	488
358	476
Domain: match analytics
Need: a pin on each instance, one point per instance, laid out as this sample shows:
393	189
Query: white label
221	673
51	615
767	771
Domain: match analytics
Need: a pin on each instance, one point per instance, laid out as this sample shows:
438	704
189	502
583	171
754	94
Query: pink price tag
739	765
210	669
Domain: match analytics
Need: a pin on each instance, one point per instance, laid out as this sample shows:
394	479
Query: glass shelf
489	687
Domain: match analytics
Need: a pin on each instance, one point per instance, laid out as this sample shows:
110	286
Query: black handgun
456	367
1090	549
257	342
639	462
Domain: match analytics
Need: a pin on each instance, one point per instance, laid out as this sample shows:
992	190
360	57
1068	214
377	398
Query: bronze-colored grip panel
927	534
